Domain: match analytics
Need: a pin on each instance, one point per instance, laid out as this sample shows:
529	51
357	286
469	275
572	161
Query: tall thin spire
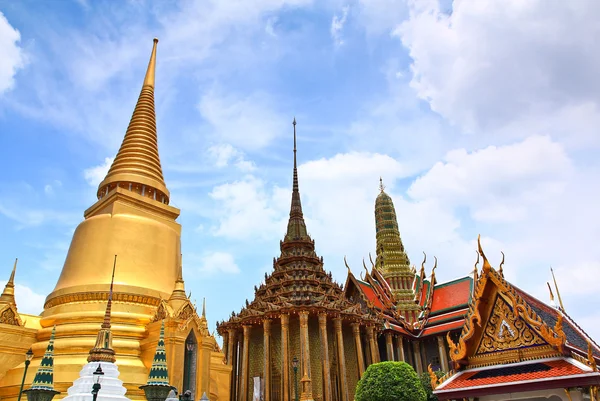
296	225
137	164
102	351
204	308
8	295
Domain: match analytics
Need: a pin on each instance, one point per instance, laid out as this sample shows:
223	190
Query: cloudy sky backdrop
481	117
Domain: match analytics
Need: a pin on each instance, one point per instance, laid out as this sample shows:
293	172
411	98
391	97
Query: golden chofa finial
423	266
149	79
348	267
365	266
434	266
486	265
552	303
500	270
381	186
475	271
371	260
562	307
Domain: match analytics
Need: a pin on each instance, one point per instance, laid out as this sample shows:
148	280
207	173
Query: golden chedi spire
392	260
8	295
137	164
130	219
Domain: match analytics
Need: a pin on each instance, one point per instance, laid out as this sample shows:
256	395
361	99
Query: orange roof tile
446	317
442	328
534	373
451	295
370	294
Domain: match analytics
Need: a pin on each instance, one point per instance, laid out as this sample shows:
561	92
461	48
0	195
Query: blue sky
481	117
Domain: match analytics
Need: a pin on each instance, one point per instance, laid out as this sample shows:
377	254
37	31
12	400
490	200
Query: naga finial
501	265
486	264
371	260
365	266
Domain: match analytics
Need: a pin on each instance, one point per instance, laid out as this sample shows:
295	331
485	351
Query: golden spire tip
149	79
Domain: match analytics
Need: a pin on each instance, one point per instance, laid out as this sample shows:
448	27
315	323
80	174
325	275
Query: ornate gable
10	316
506	330
500	327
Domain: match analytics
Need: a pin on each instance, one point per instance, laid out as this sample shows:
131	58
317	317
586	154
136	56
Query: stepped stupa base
112	388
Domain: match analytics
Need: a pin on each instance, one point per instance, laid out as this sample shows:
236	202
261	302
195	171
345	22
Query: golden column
243	396
417	353
267	354
285	351
390	346
400	344
359	350
443	354
342	360
304	347
238	361
372	345
325	355
231	347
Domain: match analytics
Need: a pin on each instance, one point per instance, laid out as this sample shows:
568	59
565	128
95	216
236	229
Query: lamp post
295	366
97	377
28	358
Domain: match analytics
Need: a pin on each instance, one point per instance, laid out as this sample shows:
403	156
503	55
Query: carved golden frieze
102	296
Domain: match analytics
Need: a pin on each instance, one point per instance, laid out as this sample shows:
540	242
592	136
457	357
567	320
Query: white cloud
249	122
246	210
95	175
225	155
25	217
337	25
217	262
491	63
381	16
499	184
28	301
13	56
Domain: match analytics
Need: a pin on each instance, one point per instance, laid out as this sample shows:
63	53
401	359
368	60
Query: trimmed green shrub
390	381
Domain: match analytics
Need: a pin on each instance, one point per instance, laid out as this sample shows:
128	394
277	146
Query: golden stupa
132	219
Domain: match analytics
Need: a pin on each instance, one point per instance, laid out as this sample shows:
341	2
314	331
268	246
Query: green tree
390	381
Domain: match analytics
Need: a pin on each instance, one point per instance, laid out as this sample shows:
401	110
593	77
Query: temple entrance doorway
190	368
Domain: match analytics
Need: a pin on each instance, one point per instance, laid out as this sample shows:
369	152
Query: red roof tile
444	317
370	294
451	295
442	328
488	377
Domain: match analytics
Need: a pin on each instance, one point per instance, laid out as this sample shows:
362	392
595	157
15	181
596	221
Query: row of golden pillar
306	389
240	385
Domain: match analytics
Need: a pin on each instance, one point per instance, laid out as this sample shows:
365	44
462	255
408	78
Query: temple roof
298	280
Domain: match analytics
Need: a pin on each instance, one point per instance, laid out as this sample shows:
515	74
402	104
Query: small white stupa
101	364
